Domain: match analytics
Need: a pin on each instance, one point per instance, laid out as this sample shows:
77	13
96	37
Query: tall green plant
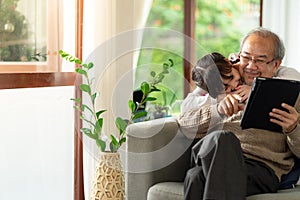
95	124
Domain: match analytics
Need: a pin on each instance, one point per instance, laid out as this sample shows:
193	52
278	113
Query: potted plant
95	124
160	109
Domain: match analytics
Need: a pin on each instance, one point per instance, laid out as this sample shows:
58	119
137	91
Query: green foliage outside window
215	26
220	25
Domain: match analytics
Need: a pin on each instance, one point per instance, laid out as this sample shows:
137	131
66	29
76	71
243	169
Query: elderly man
232	163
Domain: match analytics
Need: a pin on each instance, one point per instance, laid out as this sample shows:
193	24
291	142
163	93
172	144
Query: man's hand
230	105
288	120
243	91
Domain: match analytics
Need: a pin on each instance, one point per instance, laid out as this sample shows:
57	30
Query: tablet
266	94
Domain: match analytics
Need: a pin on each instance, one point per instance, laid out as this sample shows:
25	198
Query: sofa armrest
156	151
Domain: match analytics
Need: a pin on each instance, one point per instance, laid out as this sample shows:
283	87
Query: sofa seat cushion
166	191
174	191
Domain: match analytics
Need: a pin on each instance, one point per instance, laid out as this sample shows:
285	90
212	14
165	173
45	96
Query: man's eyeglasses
247	59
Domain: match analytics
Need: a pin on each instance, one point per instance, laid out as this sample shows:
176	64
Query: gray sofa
157	158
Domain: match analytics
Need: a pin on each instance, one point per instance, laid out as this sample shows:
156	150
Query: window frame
189	48
53	63
32	80
43	74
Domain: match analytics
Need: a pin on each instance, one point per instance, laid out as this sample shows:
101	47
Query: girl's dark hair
208	71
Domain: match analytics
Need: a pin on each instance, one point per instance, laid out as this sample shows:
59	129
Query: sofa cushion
174	191
166	191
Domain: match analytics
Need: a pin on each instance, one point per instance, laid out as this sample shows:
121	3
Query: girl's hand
229	105
243	91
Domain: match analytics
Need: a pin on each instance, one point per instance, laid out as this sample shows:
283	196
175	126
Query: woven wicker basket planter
109	178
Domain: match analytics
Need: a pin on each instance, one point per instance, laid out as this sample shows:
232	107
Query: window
32	33
23	30
47	39
163	43
219	26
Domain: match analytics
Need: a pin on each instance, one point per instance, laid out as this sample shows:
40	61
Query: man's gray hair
265	33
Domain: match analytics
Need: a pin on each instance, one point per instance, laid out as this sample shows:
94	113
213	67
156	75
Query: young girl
213	75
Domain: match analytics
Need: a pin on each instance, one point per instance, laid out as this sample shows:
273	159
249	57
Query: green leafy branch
147	88
94	130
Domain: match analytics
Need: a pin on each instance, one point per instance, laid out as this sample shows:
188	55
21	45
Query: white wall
36	144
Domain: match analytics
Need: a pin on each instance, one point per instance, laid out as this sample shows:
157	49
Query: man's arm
289	121
293	140
292	128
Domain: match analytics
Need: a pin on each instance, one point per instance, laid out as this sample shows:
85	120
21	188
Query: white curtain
283	17
110	41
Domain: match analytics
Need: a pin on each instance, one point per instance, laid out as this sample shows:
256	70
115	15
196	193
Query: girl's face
232	83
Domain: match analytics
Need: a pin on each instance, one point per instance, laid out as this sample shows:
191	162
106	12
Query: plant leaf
150	99
145	87
88	132
71	59
94	96
114	140
84	106
81	71
98	127
164	94
165	66
160	78
155	89
78	61
77	100
172	99
90	65
121	124
131	105
122	140
99	113
85	88
86	120
172	62
76	107
114	145
139	115
101	144
153	74
62	53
